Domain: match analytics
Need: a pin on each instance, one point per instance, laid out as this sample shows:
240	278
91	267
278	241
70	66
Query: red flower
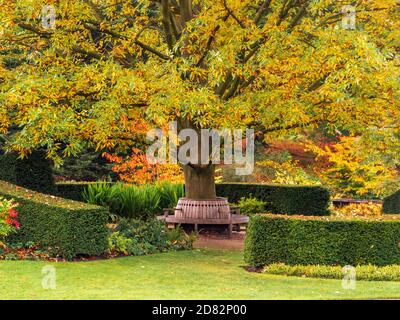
16	224
13	222
13	213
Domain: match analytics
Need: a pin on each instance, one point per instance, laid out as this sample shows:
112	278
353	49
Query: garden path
218	240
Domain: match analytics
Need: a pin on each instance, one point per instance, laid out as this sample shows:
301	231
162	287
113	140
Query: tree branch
136	40
292	126
174	26
317	84
233	88
186	10
166	21
210	41
34	29
287	5
89	53
262	11
230	13
300	14
221	89
152	50
97	12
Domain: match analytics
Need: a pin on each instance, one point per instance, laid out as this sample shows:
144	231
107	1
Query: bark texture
199	181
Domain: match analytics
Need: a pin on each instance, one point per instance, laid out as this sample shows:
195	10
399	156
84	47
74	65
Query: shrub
137	237
305	200
121	244
391	204
251	206
152	231
97	193
178	239
136	168
34	172
118	243
8	218
364	272
137	202
72	190
170	194
130	201
67	228
308	200
322	240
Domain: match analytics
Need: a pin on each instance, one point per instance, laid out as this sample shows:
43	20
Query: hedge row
34	172
305	200
72	190
66	228
391	204
321	240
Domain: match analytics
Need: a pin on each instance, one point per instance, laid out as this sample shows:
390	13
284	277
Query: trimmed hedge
321	240
66	228
71	190
363	272
34	172
391	204
305	200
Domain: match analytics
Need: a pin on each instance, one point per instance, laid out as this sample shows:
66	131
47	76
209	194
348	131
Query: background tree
275	65
356	171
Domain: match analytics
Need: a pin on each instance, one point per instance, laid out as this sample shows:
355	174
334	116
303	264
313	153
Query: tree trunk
199	182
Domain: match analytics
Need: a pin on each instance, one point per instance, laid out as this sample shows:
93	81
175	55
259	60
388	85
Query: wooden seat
234	218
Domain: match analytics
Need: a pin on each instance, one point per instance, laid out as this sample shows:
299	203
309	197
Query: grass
197	274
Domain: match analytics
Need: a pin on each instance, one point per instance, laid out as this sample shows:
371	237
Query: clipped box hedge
67	228
305	200
71	190
322	240
391	204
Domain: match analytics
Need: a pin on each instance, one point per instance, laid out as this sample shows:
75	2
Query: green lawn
197	274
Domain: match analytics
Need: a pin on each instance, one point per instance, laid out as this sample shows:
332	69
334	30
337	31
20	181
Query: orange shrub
136	169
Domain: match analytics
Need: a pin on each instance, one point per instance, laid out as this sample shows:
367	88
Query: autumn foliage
278	66
8	218
137	169
351	171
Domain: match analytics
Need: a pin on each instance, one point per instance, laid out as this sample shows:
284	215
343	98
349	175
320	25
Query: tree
275	65
352	171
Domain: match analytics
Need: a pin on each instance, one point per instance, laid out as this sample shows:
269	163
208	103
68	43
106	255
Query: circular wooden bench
233	218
